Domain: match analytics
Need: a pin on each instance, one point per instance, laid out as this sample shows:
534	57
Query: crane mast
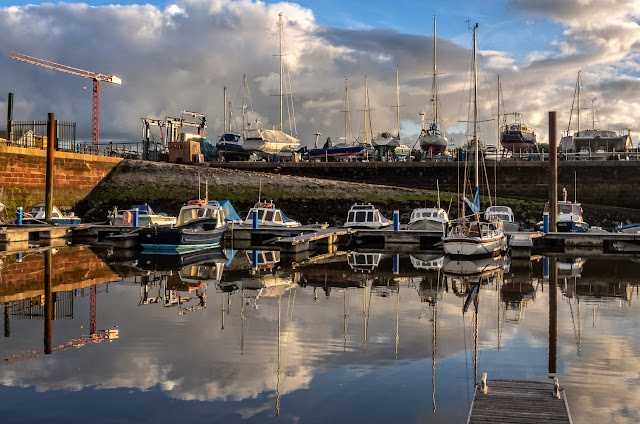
95	76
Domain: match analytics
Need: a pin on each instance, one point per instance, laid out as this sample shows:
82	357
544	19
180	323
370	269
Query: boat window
260	214
187	215
361	259
268	257
361	216
369	216
350	218
278	217
269	216
564	208
575	209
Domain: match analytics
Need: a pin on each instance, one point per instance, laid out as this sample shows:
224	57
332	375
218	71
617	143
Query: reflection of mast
475	346
397	312
278	374
242	323
346	320
433	357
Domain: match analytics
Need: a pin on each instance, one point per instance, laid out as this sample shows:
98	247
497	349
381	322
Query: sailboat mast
346	109
229	122
498	132
244	107
475	107
398	101
366	112
224	110
281	67
435	86
579	82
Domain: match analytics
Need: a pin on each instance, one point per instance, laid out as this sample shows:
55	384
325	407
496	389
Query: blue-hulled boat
37	216
200	224
231	147
569	218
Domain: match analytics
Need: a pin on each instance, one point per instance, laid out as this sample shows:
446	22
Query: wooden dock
513	401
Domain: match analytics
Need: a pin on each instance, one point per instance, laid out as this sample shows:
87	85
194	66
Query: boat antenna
575	187
206	189
260	190
438	188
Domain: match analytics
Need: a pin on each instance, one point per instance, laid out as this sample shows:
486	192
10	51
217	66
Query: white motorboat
429	219
473	236
505	214
269	215
427	262
38	213
365	216
569	217
146	217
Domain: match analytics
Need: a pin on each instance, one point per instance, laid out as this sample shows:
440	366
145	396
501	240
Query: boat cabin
503	213
567	208
270	216
364	261
199	211
365	216
429	213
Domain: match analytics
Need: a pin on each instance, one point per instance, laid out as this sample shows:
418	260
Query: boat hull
56	221
432	144
518	141
567	227
159	238
471	246
334	152
144	220
427	225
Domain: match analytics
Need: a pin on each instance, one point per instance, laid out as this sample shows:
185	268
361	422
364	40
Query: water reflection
320	342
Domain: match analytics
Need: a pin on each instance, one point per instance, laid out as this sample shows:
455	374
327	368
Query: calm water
346	340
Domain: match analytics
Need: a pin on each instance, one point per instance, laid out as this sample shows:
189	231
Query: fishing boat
466	237
505	214
146	217
269	215
200	224
591	140
265	142
37	216
432	139
569	217
365	216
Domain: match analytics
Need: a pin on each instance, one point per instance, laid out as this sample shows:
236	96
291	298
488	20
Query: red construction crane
95	116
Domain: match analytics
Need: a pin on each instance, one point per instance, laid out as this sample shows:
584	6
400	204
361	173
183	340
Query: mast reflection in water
228	336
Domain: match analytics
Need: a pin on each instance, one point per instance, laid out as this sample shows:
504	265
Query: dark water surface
343	340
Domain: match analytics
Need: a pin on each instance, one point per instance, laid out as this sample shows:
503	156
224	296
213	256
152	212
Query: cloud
179	58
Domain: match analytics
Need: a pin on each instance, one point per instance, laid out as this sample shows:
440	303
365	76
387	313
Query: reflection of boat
269	215
37	216
570	267
516	291
200	224
263	259
146	217
363	261
154	260
427	262
365	216
476	267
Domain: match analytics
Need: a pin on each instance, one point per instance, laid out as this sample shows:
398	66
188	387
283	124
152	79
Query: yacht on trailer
432	139
591	140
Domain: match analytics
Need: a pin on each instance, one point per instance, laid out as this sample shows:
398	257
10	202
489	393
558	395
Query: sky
177	55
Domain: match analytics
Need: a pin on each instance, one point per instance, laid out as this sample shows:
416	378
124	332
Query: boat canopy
230	214
276	136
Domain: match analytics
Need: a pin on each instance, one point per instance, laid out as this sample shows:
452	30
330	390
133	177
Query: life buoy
127	218
195	202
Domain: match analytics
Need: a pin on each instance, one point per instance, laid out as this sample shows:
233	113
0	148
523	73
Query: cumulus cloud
179	58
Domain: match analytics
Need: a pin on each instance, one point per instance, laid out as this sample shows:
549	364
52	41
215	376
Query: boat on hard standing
591	140
432	139
146	217
270	216
518	137
38	213
200	224
471	236
365	216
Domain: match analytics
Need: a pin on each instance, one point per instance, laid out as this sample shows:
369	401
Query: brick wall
23	174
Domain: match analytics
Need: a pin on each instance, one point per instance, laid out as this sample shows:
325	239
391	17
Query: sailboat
230	144
591	140
473	236
432	140
265	142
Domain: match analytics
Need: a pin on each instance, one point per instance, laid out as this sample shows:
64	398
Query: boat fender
127	218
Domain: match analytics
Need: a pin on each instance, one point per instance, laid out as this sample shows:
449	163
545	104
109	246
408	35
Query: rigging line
484	167
486	85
